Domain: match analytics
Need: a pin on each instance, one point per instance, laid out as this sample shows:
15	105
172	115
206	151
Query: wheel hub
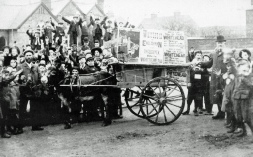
162	100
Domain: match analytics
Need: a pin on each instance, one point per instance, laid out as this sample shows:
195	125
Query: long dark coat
4	91
216	83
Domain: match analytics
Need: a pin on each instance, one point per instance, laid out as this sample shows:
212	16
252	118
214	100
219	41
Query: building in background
178	22
16	19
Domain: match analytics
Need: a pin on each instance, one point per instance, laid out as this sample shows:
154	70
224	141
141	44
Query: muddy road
130	136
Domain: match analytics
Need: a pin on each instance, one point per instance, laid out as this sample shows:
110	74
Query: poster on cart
129	44
152	46
174	48
151	49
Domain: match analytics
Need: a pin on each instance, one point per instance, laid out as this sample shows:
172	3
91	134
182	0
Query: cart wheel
167	99
132	98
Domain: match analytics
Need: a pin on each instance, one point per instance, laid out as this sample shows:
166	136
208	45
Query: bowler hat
26	51
89	59
220	38
80	57
96	49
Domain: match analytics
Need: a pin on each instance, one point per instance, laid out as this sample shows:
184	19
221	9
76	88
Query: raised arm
103	22
66	20
91	22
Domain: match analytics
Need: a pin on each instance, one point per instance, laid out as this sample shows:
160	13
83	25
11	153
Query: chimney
47	3
153	16
100	3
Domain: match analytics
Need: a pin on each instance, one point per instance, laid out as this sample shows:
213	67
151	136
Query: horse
73	96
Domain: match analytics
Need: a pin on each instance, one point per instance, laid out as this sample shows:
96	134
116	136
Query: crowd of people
223	78
26	76
25	73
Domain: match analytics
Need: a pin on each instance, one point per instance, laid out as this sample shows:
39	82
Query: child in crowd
197	85
242	95
5	78
227	101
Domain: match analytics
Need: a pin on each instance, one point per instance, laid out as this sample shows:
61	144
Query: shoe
67	126
228	125
185	113
220	115
19	131
117	117
208	113
200	111
106	122
37	128
196	114
239	132
231	130
5	135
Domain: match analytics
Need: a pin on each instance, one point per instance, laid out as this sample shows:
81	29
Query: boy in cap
242	95
48	32
73	28
84	30
90	65
59	33
97	31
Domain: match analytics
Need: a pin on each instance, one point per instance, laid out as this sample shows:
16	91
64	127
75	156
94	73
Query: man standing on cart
218	68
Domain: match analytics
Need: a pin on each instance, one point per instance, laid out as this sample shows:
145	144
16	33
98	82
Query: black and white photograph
126	78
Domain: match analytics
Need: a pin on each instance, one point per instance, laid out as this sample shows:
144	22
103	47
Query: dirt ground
130	136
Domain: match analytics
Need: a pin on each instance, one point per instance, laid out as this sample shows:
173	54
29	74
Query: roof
17	14
58	6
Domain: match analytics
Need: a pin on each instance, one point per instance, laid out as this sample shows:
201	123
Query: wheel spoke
150	97
154	109
165	118
173	97
146	107
134	105
139	111
174	105
133	98
170	110
172	90
156	117
159	87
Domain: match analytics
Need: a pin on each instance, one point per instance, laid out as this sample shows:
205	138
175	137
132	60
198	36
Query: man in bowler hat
218	68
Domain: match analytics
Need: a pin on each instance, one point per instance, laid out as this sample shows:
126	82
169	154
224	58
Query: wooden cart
152	91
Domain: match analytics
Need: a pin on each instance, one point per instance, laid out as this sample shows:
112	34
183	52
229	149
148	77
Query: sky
204	12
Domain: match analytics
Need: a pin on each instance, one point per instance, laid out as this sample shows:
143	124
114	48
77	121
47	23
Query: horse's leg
107	119
66	111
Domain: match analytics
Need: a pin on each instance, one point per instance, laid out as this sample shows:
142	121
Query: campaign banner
174	48
129	44
151	47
